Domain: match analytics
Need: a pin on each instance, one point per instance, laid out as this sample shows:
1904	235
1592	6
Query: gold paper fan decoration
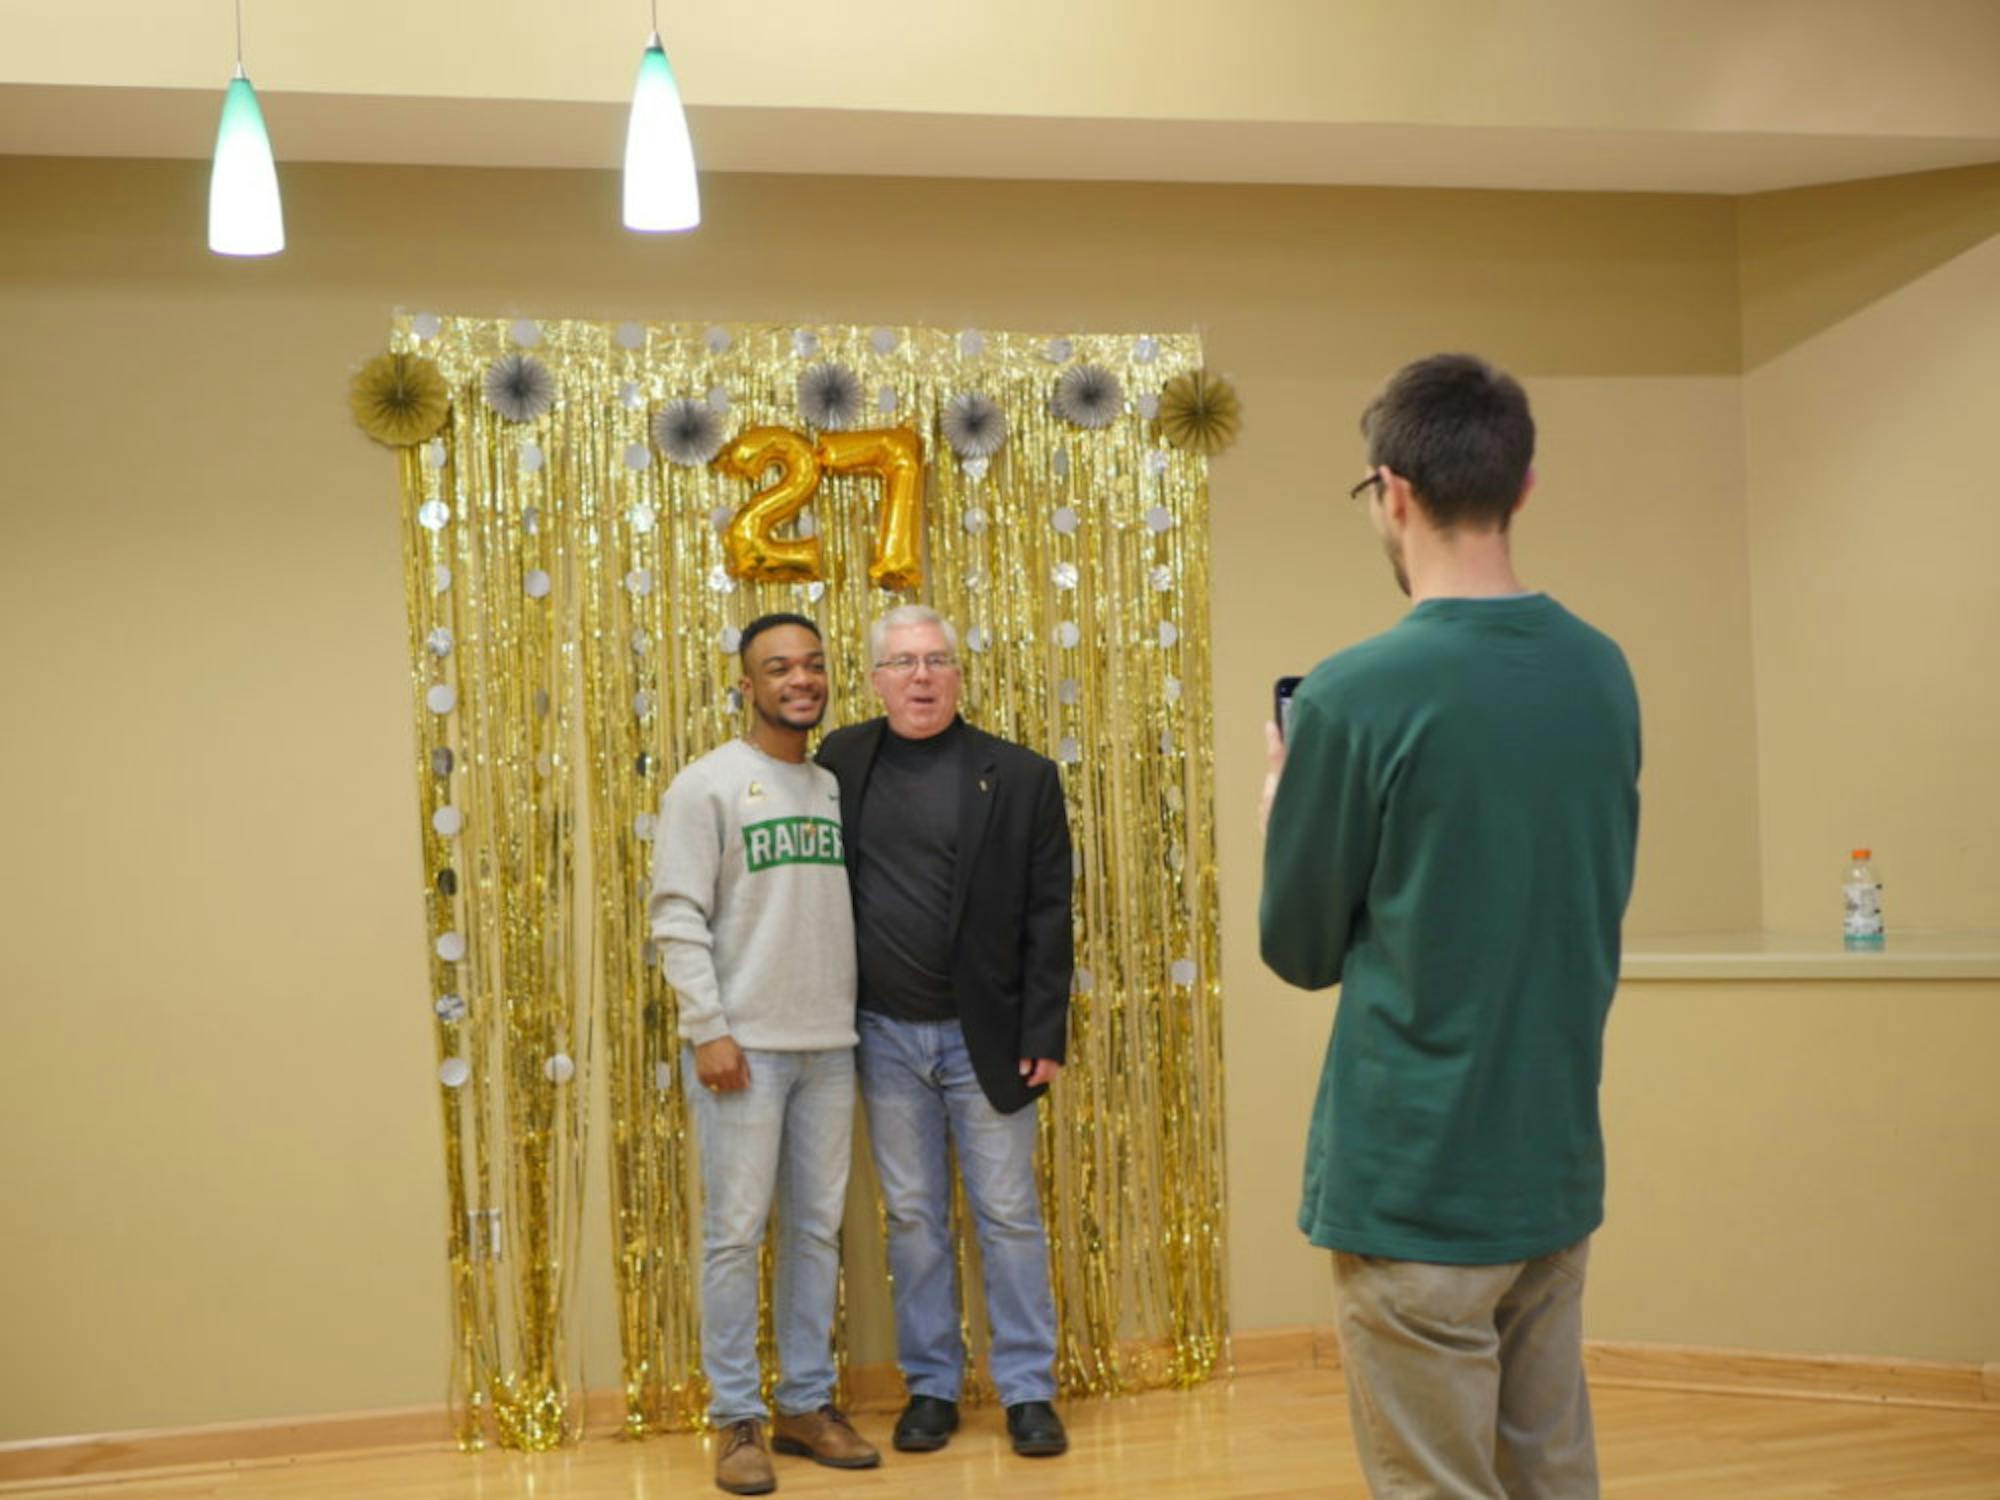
1199	411
399	399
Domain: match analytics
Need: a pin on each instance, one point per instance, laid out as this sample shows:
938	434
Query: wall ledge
1964	953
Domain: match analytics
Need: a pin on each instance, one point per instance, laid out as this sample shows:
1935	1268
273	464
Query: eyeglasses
1373	481
903	666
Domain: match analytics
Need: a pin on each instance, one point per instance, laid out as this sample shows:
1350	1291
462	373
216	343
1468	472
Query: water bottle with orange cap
1862	929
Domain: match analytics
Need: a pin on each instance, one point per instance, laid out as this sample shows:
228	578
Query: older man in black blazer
959	856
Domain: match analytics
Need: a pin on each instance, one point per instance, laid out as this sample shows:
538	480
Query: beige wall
1802	1167
1871	318
219	1143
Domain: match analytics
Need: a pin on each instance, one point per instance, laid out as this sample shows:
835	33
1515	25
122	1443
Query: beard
1394	553
777	719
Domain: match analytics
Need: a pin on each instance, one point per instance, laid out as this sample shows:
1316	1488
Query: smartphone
1282	704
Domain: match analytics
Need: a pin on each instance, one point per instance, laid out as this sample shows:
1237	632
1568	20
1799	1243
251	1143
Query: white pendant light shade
660	188
244	215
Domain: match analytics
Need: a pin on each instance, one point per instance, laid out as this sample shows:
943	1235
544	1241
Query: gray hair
906	614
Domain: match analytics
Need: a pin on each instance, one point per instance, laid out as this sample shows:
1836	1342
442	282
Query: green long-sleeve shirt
1452	843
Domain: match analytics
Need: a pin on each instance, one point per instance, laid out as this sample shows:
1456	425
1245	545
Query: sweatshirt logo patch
791	841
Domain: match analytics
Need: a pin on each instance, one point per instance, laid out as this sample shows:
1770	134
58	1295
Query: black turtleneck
906	861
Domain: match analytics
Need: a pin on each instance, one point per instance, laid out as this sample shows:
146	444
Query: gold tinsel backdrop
573	617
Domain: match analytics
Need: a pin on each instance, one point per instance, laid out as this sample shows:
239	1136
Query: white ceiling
1687	96
57	120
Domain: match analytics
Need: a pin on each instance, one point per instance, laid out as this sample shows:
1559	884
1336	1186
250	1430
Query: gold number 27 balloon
894	455
749	548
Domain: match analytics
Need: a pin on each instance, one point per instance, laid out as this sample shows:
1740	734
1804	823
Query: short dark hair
1460	432
770	622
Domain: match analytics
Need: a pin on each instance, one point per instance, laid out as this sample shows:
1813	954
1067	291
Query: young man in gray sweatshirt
751	914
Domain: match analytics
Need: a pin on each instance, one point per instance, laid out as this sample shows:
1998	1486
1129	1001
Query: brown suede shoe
742	1466
825	1437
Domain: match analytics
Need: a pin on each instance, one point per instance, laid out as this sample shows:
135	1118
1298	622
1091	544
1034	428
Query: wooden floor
1265	1435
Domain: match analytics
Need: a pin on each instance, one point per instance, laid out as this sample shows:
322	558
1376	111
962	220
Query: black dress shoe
926	1425
1036	1430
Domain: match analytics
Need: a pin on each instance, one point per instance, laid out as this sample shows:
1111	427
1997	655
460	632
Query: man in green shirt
1452	817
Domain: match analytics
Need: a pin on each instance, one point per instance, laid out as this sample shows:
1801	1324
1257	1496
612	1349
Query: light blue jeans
789	1135
918	1085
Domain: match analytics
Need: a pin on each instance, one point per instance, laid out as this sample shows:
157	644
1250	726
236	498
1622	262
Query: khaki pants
1466	1382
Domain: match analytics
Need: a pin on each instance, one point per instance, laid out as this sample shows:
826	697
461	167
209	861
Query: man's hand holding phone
1274	745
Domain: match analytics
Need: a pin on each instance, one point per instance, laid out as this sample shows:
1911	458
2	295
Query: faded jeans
789	1135
918	1085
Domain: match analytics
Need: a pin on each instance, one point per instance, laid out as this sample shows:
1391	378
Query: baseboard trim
44	1461
1683	1367
1273	1351
1804	1377
53	1462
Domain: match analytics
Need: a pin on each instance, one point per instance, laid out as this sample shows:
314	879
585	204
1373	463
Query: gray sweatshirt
750	907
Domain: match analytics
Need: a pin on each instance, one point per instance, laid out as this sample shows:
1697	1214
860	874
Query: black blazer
1012	951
